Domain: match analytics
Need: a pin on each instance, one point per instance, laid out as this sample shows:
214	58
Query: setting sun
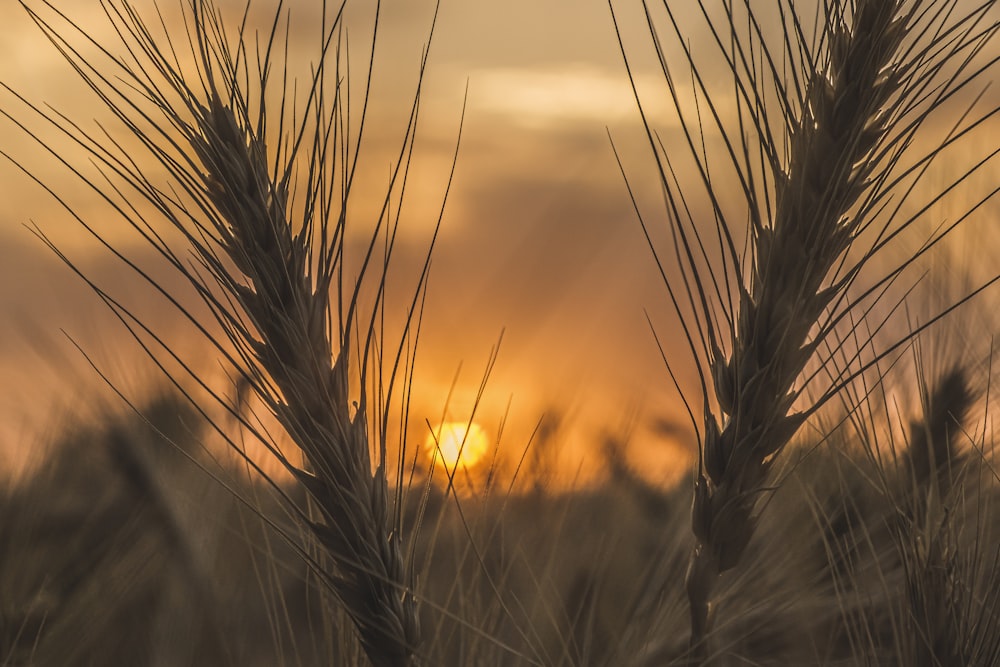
458	442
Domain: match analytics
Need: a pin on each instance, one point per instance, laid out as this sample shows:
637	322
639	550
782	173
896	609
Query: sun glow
455	443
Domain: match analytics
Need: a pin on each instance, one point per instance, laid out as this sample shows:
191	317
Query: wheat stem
267	230
840	125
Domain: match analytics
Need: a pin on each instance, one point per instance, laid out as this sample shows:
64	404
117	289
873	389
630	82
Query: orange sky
539	239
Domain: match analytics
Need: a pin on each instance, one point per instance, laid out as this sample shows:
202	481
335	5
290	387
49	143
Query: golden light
457	443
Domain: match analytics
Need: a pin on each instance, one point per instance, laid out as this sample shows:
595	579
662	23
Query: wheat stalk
292	348
831	161
926	532
816	162
267	230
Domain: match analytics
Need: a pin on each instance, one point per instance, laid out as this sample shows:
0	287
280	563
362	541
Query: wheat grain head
266	228
816	162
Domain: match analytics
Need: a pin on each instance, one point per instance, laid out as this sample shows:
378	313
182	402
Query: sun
456	443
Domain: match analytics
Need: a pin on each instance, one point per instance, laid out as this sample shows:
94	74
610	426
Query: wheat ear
816	160
831	148
290	311
931	557
266	228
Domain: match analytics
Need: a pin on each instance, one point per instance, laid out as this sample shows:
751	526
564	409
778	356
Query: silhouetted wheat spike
937	572
293	348
932	458
821	123
831	145
266	228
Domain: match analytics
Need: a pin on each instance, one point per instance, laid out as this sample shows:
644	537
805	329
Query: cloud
561	93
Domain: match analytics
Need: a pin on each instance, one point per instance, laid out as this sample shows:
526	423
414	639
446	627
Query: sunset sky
539	239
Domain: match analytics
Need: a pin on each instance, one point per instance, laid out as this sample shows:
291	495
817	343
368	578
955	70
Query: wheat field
248	472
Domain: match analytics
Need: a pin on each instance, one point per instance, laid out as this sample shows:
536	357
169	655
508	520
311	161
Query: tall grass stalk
260	179
819	143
